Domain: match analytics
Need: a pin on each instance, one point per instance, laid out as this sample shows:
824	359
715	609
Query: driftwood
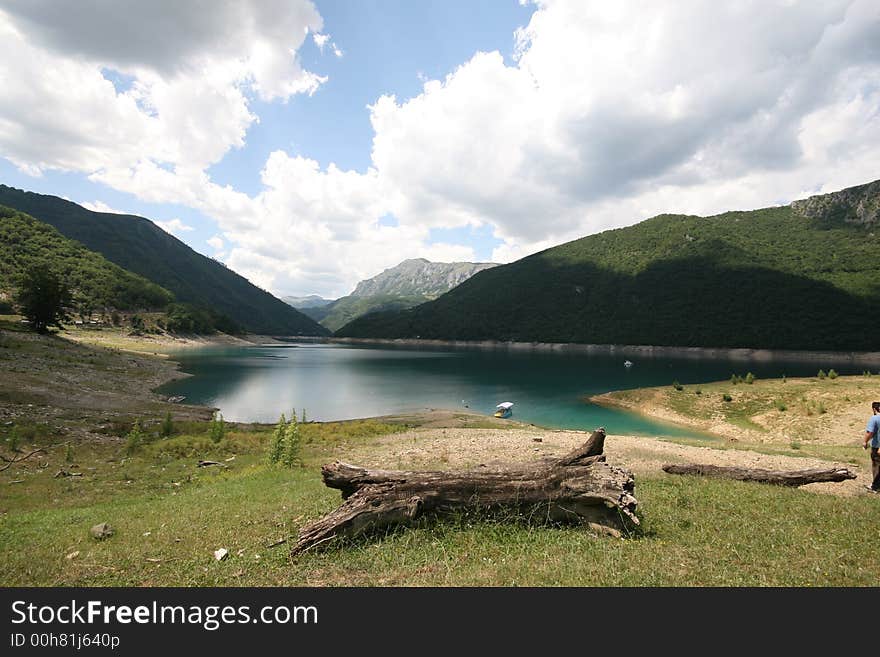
777	477
208	464
578	487
8	463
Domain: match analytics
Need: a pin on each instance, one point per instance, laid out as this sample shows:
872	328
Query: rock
221	554
73	555
101	531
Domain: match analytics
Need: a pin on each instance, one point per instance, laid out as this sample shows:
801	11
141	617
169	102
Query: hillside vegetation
96	283
138	245
803	276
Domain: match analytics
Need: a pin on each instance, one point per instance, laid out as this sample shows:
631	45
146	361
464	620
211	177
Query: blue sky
449	130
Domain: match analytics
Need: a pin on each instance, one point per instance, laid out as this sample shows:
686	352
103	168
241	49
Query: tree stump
777	477
578	487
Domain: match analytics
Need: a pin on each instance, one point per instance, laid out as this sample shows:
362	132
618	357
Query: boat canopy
505	405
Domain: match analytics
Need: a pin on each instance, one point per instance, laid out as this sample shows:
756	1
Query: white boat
503	410
627	364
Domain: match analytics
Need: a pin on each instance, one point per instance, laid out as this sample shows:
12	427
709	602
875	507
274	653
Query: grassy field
78	402
170	516
811	414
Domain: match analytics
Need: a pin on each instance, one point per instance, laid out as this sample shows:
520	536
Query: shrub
733	379
821	408
832	374
795	444
134	439
68	453
698	392
783	378
14	440
677	386
750	378
276	448
167	426
781	407
727	398
821	374
218	428
291	444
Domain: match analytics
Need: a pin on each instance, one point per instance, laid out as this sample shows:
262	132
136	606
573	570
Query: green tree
832	374
750	378
821	374
134	439
218	428
43	297
167	425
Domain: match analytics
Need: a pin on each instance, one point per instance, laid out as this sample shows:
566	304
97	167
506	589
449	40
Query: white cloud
173	226
185	73
216	243
617	111
100	206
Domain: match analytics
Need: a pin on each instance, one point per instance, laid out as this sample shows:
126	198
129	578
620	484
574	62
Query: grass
768	410
170	516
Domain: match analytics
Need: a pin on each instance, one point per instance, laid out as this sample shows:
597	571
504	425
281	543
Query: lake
336	381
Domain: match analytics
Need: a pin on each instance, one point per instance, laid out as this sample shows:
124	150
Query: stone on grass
101	531
221	554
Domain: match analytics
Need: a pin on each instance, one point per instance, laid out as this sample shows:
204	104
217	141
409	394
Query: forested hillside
96	283
140	246
804	276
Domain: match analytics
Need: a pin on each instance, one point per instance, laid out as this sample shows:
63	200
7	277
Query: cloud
190	69
216	243
615	111
100	206
321	40
173	226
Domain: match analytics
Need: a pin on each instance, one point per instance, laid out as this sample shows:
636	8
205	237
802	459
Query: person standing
872	435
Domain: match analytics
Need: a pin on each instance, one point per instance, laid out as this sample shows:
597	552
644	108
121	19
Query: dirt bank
455	448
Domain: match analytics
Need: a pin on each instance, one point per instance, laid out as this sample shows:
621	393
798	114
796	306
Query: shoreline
644	351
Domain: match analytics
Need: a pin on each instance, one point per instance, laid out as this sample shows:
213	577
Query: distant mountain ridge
801	276
140	246
403	286
419	277
310	301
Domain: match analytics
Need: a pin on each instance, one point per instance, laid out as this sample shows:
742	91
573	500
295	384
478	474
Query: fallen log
578	487
777	477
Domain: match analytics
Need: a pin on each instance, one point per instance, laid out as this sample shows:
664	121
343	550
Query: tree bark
578	487
777	477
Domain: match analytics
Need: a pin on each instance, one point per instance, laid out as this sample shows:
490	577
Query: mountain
801	276
311	301
406	285
96	283
140	246
419	277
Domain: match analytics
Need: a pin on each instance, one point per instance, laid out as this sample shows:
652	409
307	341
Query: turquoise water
333	382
